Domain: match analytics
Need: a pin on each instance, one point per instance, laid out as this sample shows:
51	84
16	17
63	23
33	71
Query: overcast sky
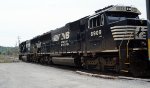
29	18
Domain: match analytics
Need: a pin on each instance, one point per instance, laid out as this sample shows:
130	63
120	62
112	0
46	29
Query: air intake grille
129	32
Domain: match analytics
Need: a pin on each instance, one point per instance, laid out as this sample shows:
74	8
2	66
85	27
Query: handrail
127	44
120	46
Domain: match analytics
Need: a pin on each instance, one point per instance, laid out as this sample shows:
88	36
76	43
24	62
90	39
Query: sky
29	18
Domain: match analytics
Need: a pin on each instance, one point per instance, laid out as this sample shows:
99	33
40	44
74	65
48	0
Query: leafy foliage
9	50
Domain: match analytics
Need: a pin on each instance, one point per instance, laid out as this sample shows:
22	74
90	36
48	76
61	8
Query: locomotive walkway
28	75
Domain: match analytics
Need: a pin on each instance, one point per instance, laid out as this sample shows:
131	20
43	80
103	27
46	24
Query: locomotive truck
113	38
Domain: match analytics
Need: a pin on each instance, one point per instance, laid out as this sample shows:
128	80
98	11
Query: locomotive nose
130	21
129	29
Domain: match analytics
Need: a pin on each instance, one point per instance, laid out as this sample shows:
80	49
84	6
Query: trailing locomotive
113	38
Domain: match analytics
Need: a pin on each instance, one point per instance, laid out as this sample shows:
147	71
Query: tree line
9	50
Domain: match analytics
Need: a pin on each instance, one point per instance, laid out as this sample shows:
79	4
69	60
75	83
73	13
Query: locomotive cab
117	39
129	33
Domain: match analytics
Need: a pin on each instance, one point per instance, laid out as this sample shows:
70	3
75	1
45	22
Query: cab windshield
118	16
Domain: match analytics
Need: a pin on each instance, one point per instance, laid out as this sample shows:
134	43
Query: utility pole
18	40
148	24
18	45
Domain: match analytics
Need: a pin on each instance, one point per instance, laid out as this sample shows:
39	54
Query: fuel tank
70	61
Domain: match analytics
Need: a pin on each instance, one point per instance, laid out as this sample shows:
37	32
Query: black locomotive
113	38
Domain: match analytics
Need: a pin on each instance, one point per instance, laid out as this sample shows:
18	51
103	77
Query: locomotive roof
117	8
111	8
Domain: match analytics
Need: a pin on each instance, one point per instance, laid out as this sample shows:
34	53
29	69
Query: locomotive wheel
138	64
50	61
41	60
77	61
28	59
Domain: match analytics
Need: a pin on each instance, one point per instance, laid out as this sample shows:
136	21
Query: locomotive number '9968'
113	38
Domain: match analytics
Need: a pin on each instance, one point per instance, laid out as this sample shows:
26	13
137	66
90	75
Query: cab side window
102	20
96	21
90	23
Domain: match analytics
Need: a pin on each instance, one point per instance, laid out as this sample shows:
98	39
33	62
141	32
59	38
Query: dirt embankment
8	59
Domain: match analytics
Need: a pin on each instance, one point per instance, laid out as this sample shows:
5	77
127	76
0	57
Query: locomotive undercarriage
100	61
136	64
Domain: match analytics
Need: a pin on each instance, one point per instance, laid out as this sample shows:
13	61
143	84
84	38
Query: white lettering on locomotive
140	32
96	33
56	37
64	43
62	36
67	35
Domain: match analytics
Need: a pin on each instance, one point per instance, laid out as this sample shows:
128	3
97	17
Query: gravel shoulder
28	75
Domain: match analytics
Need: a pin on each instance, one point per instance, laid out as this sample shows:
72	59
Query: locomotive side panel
45	41
99	35
75	42
60	39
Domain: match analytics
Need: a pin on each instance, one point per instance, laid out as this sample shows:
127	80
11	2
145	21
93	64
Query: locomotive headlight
126	8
